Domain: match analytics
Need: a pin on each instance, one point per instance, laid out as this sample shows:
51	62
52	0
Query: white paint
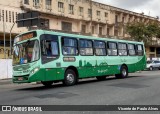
5	68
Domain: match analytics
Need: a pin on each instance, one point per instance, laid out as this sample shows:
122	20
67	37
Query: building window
0	15
16	16
26	2
89	12
106	14
3	14
81	11
60	6
44	23
123	19
86	47
66	26
108	31
6	16
100	30
48	4
152	49
98	14
71	9
36	3
70	46
13	16
10	16
93	30
116	18
83	29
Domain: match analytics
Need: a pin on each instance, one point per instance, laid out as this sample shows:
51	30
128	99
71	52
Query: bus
49	56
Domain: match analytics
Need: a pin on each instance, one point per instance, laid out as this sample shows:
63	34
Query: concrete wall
5	68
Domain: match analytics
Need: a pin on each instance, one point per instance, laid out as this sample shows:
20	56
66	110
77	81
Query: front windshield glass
26	52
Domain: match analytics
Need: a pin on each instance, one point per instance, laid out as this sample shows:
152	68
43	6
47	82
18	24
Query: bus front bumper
21	79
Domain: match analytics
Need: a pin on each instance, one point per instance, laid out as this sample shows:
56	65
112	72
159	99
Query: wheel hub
124	72
70	78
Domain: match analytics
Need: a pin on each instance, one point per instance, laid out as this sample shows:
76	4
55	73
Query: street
138	89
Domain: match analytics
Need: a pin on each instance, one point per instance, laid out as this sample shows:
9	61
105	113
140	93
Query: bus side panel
51	74
141	64
38	76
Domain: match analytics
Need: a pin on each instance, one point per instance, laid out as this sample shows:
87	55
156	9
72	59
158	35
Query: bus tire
70	78
123	72
100	78
47	83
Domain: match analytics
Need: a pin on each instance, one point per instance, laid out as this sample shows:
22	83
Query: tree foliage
140	31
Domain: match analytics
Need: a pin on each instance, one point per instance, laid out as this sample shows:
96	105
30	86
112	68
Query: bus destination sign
26	36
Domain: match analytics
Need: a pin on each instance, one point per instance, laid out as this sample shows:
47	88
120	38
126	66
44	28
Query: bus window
131	49
112	49
50	48
70	46
122	49
139	50
100	48
86	47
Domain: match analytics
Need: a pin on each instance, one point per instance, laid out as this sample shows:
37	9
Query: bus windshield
26	52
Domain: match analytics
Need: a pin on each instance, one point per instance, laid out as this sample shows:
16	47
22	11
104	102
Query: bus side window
50	48
70	46
122	49
140	51
86	47
100	48
131	49
112	49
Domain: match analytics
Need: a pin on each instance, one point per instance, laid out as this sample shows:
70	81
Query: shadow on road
81	82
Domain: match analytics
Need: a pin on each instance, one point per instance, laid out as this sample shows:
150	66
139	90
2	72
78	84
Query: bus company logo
6	108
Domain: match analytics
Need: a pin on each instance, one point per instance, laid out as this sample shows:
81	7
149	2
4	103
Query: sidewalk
5	81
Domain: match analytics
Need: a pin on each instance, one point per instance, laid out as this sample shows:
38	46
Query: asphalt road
142	88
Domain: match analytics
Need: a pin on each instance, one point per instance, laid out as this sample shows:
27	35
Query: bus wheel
70	78
101	78
47	83
124	72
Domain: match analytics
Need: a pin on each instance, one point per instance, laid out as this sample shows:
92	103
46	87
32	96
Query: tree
140	31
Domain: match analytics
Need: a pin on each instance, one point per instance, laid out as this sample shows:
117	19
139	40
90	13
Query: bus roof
83	36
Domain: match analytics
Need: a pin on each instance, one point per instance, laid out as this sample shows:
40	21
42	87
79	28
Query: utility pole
4	34
91	16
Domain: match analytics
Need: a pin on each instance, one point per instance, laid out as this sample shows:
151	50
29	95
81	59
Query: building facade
79	16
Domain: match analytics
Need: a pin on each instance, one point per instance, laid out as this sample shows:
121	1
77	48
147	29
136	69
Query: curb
5	81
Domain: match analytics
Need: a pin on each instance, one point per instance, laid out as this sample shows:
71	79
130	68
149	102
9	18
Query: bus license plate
20	78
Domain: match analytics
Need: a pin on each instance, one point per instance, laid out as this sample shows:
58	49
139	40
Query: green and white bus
50	56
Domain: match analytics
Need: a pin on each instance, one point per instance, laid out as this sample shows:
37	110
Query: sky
149	7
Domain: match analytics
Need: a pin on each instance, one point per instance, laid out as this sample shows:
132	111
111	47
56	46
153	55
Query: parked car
153	64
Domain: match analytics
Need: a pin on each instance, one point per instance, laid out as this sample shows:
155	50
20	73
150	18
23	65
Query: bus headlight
35	70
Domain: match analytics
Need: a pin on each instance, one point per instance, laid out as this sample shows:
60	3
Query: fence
5	68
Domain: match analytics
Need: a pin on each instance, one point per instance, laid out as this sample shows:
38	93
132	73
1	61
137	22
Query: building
8	15
79	16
